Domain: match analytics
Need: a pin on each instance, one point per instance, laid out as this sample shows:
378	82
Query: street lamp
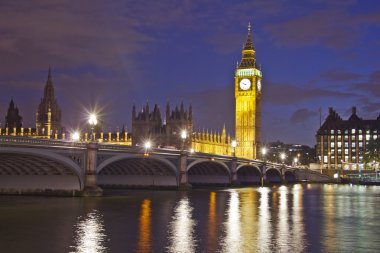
282	156
263	152
295	161
75	136
234	145
147	146
183	137
92	120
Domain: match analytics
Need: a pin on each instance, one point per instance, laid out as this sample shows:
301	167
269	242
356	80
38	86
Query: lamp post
234	145
263	153
75	136
282	156
295	161
92	120
147	146
183	137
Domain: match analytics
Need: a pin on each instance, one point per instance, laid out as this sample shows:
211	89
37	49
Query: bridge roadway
29	164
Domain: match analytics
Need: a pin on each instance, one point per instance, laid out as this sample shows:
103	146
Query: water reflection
90	235
232	240
264	223
283	221
297	239
211	235
144	242
181	229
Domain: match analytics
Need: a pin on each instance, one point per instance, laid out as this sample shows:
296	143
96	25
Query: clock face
245	84
259	85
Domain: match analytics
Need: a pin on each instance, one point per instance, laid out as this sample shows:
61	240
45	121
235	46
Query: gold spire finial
249	26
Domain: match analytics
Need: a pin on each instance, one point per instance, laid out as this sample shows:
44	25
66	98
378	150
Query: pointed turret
133	112
249	44
190	112
248	54
49	89
48	104
167	111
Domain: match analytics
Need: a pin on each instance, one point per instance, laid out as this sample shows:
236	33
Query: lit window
353	131
332	144
360	137
360	144
346	151
360	131
353	144
332	131
367	137
339	144
346	144
375	137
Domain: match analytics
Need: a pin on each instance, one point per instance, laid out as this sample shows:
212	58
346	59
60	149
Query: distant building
295	154
13	120
341	143
48	116
148	125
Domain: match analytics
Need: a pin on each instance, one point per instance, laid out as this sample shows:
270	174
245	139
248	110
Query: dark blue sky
109	55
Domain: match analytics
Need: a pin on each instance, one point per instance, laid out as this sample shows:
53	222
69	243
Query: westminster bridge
30	164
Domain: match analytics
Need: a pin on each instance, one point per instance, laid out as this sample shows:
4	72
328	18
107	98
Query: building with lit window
341	144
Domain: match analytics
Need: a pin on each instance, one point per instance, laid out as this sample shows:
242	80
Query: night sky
107	55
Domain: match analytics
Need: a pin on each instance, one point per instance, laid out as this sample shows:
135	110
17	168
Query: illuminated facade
342	143
212	142
248	89
48	116
148	125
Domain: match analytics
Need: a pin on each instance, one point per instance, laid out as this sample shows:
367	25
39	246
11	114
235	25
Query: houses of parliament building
149	124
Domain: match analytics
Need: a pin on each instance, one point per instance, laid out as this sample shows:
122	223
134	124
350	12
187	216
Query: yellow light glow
92	119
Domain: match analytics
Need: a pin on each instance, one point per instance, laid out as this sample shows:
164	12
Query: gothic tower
48	116
248	102
13	120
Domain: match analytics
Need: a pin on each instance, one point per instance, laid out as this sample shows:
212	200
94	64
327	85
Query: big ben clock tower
248	102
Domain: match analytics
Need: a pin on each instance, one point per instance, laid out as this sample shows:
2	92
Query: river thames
296	218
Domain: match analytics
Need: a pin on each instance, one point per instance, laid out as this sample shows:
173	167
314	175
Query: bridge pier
91	187
183	178
234	179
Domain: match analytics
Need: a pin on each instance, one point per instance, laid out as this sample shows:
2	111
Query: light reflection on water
232	241
90	235
298	218
144	243
181	229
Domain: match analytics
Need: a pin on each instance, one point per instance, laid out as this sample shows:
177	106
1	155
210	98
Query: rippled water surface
298	218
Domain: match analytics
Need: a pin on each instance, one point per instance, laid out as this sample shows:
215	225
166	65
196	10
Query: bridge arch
273	176
129	170
289	176
37	169
248	174
208	172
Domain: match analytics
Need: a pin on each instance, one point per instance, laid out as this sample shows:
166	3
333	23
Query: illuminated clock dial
259	85
245	84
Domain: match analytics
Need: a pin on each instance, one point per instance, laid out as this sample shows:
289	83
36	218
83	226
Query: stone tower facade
13	121
248	88
148	125
48	116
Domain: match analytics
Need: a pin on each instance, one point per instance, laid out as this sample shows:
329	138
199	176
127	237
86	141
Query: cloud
372	85
302	115
279	93
331	27
337	75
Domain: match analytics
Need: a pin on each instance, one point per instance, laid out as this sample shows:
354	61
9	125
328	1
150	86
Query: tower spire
49	89
248	53
249	44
